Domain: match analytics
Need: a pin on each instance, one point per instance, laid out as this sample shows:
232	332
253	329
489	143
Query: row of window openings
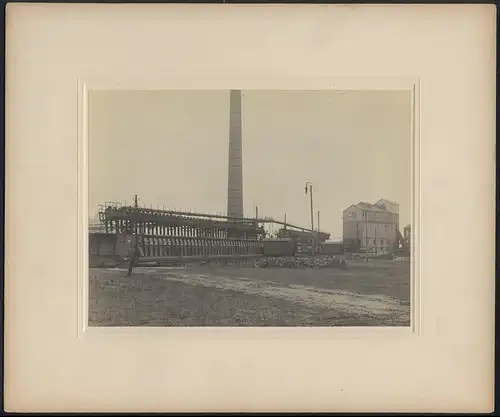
367	240
386	227
364	217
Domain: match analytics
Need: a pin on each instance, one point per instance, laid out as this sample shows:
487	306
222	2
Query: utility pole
319	232
312	213
319	236
134	256
358	240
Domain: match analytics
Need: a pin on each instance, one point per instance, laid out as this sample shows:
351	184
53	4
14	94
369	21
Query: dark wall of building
103	249
332	248
352	245
279	247
303	238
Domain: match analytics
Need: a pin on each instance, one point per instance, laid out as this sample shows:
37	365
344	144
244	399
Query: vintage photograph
249	207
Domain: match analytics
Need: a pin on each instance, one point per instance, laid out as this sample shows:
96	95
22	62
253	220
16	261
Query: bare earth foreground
373	294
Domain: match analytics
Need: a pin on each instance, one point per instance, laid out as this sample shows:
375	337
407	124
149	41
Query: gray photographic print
249	207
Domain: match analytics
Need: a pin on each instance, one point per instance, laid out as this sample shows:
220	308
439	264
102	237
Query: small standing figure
134	256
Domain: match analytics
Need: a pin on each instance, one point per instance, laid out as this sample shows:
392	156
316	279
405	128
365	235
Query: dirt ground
373	294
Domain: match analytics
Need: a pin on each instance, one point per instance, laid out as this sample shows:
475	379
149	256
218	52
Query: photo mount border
358	83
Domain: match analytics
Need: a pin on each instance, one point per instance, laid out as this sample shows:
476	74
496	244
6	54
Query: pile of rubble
381	256
370	255
301	262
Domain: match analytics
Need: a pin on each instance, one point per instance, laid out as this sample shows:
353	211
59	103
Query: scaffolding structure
161	235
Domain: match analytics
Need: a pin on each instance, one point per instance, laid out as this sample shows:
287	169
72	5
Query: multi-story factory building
367	225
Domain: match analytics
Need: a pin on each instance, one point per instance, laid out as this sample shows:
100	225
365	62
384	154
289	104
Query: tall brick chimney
235	171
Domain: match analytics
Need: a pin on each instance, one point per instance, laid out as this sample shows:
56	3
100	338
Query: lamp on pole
309	185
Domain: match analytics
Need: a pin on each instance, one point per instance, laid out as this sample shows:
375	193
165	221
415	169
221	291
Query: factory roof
362	205
369	207
389	201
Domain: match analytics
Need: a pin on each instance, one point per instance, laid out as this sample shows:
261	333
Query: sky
171	149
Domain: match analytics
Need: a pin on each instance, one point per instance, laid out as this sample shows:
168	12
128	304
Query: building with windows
407	235
372	226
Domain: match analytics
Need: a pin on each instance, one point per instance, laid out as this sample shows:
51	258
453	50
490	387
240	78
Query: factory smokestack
235	171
